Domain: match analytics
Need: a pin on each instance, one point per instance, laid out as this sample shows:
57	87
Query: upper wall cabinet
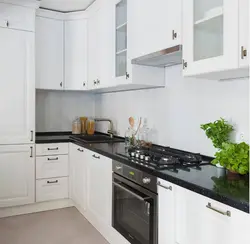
100	46
211	43
49	53
157	25
75	68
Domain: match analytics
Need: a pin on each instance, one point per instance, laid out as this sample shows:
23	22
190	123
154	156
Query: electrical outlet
241	137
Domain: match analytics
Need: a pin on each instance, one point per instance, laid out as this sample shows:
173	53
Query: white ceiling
66	5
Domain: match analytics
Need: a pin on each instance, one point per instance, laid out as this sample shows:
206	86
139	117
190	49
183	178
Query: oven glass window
132	213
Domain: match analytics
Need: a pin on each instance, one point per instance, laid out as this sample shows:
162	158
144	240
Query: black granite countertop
208	181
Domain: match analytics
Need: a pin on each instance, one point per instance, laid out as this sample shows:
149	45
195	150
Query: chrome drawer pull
52	182
227	213
80	150
165	187
94	156
52	159
53	149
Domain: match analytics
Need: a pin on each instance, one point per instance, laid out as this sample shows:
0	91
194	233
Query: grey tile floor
62	226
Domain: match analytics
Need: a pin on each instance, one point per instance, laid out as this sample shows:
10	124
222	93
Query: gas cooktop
163	158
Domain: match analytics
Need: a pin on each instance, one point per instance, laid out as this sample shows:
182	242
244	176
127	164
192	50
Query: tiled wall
175	113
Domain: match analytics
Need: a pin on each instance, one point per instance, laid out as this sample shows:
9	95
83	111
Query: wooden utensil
131	122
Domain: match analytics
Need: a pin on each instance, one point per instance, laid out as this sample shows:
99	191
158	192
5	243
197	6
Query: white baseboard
36	207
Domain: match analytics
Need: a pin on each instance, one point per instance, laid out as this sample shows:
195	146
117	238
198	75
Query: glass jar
84	124
76	126
90	126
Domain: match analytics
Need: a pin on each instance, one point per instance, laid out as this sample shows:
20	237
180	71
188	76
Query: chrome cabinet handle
53	149
94	156
227	213
243	52
174	34
97	81
61	84
31	152
31	135
80	150
165	187
184	64
84	83
127	75
52	159
52	182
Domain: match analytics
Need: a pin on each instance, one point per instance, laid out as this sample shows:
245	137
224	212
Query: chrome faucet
110	131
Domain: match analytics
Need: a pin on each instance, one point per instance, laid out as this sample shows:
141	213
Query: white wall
55	110
176	112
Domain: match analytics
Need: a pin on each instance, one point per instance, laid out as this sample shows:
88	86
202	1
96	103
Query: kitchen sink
98	139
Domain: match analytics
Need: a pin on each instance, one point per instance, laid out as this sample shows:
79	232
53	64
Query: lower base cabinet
77	177
186	217
99	187
17	175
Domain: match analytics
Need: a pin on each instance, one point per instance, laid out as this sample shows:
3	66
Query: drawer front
52	149
17	17
52	189
52	166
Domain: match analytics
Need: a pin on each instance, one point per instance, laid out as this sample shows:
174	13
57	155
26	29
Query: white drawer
52	149
52	166
17	17
52	189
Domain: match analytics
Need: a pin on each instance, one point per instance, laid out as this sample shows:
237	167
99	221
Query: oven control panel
135	175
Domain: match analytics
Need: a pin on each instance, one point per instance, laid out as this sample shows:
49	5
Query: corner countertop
208	180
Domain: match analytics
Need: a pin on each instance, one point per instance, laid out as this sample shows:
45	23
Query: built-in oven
134	204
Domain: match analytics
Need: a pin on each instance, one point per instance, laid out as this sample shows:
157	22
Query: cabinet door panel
99	187
210	36
49	53
17	87
17	176
93	50
166	219
76	55
154	25
78	161
244	32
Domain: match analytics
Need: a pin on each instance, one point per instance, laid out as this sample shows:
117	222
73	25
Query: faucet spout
110	131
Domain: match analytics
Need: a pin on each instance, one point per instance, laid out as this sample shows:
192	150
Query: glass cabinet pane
208	29
121	38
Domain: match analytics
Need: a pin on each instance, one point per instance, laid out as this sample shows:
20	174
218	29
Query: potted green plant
234	157
218	132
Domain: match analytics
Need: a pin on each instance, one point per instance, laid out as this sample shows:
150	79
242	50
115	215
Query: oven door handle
131	192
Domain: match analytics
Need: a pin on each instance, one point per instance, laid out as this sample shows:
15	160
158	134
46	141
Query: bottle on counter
90	126
76	126
143	135
130	140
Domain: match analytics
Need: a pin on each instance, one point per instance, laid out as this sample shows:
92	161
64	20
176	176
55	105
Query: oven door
134	211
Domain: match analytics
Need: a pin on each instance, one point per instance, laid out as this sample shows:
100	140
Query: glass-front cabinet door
210	36
121	47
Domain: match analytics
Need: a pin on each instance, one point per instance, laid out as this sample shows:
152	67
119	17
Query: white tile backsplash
55	110
176	112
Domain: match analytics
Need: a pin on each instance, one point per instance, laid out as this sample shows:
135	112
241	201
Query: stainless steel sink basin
98	139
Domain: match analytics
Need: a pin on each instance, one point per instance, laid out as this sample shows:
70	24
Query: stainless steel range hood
164	58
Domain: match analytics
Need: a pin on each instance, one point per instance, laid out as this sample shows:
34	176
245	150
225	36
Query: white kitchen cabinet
93	50
203	220
17	175
99	188
166	209
157	25
17	17
244	33
78	165
76	55
49	53
211	39
17	87
101	46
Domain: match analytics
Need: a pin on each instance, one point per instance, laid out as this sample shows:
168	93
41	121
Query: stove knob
146	180
118	167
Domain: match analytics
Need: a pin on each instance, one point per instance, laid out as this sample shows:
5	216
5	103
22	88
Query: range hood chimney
164	58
